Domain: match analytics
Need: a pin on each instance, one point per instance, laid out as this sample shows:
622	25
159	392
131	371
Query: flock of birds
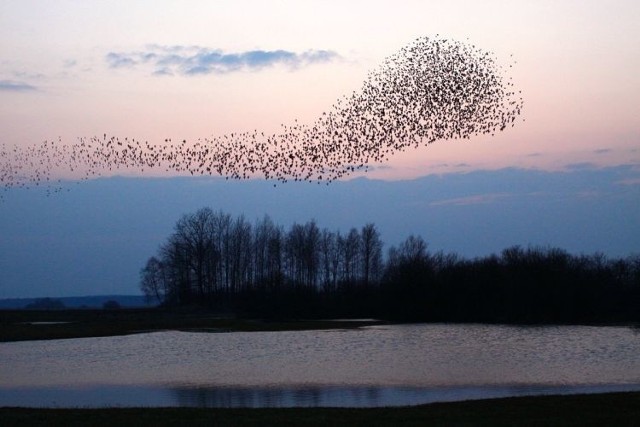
433	89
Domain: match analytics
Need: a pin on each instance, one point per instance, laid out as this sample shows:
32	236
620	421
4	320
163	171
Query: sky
152	70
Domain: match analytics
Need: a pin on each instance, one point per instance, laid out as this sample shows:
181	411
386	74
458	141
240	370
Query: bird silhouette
431	90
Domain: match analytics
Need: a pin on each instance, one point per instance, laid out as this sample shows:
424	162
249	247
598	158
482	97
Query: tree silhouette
214	260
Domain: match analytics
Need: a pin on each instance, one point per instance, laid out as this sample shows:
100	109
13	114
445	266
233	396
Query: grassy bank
611	409
22	325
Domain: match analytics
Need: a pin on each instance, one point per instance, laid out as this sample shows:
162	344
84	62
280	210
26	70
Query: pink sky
576	64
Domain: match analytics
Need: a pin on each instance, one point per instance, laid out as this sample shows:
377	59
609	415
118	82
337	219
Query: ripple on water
390	357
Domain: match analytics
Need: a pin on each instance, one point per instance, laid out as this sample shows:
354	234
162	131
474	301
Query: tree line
262	269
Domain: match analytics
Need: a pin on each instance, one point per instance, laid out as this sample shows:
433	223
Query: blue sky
95	238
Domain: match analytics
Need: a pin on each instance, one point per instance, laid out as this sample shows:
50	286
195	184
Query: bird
433	89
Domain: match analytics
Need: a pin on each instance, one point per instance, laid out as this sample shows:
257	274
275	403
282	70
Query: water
372	366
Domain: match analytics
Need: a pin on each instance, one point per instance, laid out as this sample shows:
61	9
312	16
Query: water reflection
364	397
275	397
229	397
373	366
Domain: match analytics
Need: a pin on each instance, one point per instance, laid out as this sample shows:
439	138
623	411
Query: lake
365	367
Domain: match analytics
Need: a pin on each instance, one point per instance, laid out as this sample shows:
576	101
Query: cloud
580	166
629	181
379	167
194	60
119	60
603	151
470	200
588	194
69	63
14	86
163	72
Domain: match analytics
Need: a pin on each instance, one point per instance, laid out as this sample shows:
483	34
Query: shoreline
612	407
580	409
281	396
31	325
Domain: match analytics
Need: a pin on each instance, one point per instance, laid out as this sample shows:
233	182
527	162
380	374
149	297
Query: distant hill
125	301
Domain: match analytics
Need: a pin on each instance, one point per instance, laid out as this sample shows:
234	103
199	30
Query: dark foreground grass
610	409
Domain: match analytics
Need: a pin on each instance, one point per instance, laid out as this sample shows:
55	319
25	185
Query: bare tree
329	260
153	282
194	234
371	254
413	250
350	251
240	249
262	233
311	253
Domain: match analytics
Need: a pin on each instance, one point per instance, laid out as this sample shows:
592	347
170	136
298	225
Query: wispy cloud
69	63
120	60
194	60
580	166
588	194
470	200
629	181
15	86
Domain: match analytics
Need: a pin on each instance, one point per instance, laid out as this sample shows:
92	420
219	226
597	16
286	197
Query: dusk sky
567	174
